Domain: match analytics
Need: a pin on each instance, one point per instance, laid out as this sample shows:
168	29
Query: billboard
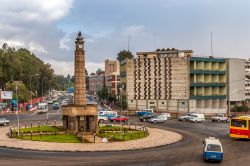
6	94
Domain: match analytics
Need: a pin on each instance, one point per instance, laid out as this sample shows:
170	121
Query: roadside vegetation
118	133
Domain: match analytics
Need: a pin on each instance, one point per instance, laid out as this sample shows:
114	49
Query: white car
158	119
220	118
167	115
185	117
50	101
4	121
64	102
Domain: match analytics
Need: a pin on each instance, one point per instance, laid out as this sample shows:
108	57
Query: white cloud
33	46
64	42
134	30
38	10
65	68
12	43
62	67
92	66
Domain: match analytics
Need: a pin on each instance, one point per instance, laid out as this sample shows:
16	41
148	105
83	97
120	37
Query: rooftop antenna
212	54
154	41
128	42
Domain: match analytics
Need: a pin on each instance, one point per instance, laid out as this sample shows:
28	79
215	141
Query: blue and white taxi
212	149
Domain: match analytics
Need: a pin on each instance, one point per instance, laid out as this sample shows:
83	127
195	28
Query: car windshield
213	148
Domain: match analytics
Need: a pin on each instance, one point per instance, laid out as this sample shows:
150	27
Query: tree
21	64
123	55
23	92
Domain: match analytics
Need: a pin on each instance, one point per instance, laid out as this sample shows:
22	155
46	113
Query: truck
220	118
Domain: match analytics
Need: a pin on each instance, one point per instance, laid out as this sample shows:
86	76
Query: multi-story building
247	82
96	82
158	80
236	90
208	93
174	81
112	75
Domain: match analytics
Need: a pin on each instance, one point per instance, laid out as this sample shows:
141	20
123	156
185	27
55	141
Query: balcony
203	59
207	84
207	72
210	97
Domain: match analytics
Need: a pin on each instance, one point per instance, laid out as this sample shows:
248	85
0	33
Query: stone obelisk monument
79	84
80	117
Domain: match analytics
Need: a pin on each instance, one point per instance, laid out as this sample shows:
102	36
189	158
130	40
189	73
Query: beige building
112	75
157	80
171	80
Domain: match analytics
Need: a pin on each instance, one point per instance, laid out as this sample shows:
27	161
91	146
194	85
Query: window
151	102
213	148
238	123
162	102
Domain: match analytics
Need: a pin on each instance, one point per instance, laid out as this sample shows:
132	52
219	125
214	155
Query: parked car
212	149
146	117
166	115
158	119
119	119
197	118
64	102
144	111
4	121
56	105
102	118
185	117
50	101
220	118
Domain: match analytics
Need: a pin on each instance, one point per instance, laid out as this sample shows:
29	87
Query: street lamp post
30	87
17	113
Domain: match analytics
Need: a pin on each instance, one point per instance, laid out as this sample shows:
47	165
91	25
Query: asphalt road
186	152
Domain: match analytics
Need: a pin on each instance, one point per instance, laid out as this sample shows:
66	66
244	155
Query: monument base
80	119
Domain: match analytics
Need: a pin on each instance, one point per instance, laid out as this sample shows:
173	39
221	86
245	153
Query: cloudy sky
48	28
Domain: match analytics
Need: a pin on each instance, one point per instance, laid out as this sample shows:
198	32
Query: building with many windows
112	75
171	80
157	80
96	82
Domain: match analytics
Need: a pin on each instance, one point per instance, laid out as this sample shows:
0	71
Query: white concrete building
236	80
247	83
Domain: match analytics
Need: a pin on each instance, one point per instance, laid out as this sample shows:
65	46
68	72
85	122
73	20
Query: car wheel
165	121
183	120
195	121
202	121
144	120
155	121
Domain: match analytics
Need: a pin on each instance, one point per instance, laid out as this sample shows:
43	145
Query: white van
42	108
197	118
109	114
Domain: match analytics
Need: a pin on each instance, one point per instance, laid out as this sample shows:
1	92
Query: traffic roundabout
156	138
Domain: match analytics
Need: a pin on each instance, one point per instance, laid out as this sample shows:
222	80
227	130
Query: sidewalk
156	138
